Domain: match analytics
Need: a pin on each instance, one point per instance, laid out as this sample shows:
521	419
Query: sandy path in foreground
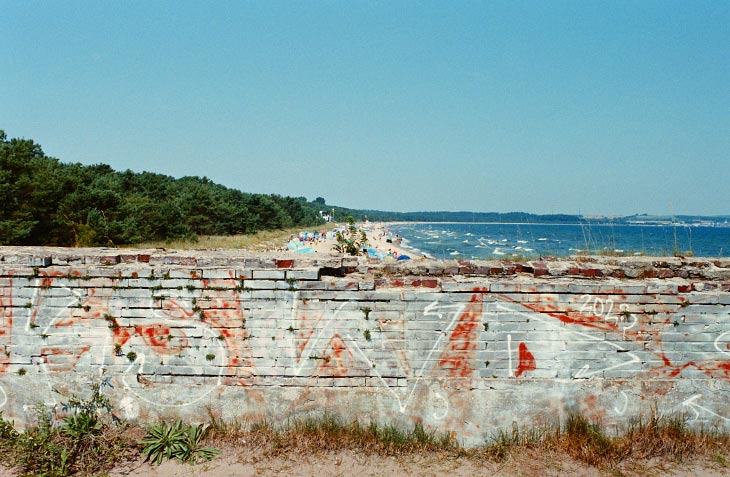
250	462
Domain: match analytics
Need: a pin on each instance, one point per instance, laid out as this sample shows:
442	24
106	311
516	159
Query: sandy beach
379	238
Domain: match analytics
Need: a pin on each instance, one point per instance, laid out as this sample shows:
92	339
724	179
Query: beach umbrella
404	257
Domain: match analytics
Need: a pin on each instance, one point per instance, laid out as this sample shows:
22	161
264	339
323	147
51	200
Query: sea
495	240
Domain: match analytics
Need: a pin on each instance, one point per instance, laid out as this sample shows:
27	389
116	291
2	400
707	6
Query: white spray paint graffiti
405	365
697	409
64	330
627	357
604	308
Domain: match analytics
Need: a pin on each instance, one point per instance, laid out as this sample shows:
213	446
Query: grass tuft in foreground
331	433
667	437
584	441
91	445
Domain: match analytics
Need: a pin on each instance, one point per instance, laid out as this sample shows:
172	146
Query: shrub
85	441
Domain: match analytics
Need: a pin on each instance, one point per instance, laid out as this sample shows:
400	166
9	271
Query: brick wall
462	346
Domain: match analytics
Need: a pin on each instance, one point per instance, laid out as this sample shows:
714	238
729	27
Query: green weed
176	441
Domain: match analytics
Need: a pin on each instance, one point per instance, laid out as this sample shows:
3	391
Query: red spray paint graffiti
6	321
221	311
336	359
459	355
647	332
527	361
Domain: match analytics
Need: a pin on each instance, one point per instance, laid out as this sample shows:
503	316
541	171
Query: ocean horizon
455	240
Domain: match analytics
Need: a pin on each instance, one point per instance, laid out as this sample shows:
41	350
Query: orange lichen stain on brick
458	357
526	359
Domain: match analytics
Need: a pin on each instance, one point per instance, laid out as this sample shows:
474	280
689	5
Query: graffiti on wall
421	358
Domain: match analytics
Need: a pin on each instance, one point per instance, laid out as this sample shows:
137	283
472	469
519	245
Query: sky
590	107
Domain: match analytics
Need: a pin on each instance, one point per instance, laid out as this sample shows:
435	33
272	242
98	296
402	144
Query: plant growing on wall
352	241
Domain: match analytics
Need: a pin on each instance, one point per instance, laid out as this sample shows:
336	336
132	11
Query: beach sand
378	235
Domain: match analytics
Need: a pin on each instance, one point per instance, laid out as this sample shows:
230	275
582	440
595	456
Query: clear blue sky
543	106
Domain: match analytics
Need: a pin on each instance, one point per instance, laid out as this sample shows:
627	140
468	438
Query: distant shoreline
589	224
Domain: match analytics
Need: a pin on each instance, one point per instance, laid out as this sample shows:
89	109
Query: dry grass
645	444
266	240
330	433
668	439
35	452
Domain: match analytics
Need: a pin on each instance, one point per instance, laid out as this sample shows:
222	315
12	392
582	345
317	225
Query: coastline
487	241
378	235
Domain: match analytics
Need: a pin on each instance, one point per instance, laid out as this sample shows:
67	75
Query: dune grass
45	449
265	240
331	433
665	437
